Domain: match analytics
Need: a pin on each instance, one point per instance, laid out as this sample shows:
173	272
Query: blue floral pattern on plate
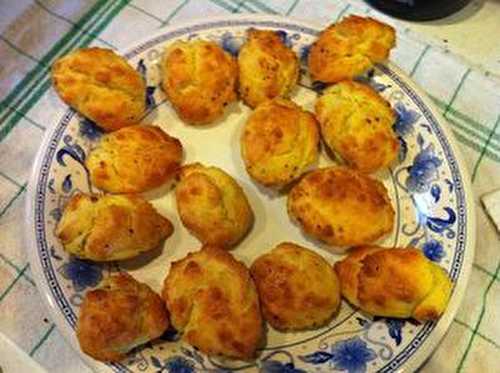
426	182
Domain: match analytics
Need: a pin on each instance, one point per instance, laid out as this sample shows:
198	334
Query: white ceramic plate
429	190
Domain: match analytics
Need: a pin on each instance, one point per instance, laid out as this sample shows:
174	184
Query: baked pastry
356	123
212	300
298	289
268	68
212	206
102	86
119	316
111	227
199	78
280	141
134	159
341	207
394	282
349	48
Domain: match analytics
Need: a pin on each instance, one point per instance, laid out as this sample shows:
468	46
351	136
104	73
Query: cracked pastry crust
268	68
212	206
199	78
111	227
350	47
119	316
341	207
356	123
212	299
134	159
394	282
102	86
298	289
280	141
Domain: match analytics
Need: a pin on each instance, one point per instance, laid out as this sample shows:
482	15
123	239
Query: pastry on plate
298	289
341	207
102	86
134	159
280	141
118	316
212	300
111	227
199	78
268	68
349	48
394	282
356	123
212	206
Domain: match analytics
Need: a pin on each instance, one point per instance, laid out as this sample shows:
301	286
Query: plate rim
425	350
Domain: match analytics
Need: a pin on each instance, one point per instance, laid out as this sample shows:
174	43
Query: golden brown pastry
118	316
111	227
394	282
298	289
212	300
268	68
199	78
134	159
356	122
102	86
341	207
212	205
280	141
349	48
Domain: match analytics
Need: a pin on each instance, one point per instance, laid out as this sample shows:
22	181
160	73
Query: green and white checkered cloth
33	33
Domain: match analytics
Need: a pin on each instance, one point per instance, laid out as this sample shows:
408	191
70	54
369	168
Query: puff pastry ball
341	207
212	299
394	282
134	159
119	316
212	206
268	68
298	289
356	123
349	48
111	227
280	141
102	86
199	78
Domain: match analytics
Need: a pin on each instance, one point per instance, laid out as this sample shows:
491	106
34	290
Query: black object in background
418	10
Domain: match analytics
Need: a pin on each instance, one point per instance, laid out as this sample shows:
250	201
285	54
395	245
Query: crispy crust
280	141
394	282
349	48
268	68
199	78
212	205
111	227
297	288
341	207
102	86
356	122
134	159
118	316
213	301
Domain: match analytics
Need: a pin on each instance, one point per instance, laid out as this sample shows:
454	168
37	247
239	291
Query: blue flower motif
179	364
82	274
423	171
275	366
231	44
405	119
434	250
90	130
352	355
394	326
304	54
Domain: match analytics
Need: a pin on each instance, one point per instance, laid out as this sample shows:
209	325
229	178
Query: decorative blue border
39	210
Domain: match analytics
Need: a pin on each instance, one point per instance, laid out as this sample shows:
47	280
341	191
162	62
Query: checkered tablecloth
35	33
